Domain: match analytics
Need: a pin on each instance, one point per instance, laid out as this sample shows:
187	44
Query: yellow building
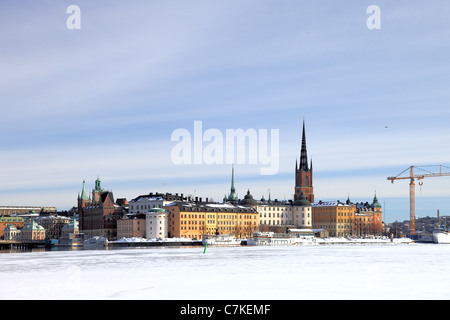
348	219
334	216
195	219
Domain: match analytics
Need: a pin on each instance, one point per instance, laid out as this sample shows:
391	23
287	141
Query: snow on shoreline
140	240
332	240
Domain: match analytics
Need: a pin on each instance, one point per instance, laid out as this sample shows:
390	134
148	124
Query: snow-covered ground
383	271
140	239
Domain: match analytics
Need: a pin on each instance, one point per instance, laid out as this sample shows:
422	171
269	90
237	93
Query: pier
114	244
8	244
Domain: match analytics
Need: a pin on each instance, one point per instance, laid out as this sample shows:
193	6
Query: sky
104	100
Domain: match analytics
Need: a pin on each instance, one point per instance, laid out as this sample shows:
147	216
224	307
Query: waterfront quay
9	244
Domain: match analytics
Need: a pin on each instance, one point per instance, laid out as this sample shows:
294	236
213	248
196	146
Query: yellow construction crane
412	192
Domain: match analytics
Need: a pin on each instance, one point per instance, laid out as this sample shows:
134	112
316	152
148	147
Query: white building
274	213
144	203
302	212
282	213
12	233
156	223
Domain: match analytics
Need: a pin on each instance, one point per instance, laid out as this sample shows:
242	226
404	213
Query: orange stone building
334	216
368	219
343	219
194	220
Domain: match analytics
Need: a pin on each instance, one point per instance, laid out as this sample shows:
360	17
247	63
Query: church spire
304	172
233	195
303	152
84	195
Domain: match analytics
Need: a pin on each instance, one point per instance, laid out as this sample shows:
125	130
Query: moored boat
221	240
95	243
293	237
441	236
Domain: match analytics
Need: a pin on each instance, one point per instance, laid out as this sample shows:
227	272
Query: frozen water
414	271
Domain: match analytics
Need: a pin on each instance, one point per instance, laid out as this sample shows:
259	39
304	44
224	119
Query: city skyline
104	100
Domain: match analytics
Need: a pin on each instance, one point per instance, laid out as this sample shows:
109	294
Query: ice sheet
413	271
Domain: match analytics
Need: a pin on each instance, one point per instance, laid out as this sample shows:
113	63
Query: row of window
193	222
263	215
192	216
278	222
143	207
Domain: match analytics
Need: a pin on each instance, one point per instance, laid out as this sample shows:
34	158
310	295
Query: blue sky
105	99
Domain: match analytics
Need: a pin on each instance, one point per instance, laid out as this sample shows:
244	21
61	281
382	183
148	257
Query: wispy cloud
105	99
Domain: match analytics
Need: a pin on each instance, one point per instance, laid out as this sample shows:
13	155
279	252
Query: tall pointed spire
303	152
304	172
232	179
84	195
233	195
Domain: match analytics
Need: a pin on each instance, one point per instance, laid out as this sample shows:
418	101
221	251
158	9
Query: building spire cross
303	152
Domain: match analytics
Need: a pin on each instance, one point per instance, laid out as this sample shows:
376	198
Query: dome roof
32	225
375	203
248	200
302	201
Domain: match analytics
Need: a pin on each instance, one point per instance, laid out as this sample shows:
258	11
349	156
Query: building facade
131	226
53	225
10	210
343	219
98	215
157	224
279	215
302	213
334	216
12	233
368	218
143	203
32	231
274	214
196	219
5	221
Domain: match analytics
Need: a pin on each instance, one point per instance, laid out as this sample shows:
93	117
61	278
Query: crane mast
412	190
412	204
